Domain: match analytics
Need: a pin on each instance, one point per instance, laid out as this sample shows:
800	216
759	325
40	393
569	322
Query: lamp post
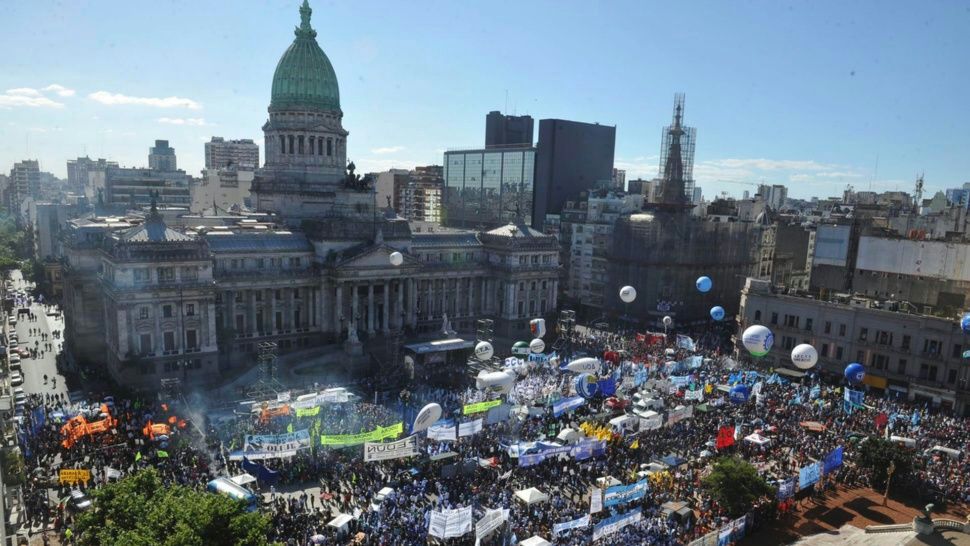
889	478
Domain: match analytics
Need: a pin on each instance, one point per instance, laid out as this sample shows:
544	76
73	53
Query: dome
304	78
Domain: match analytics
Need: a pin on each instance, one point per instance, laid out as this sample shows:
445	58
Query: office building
24	183
776	194
221	190
618	182
126	189
389	187
486	188
504	130
421	197
161	157
78	172
571	157
221	153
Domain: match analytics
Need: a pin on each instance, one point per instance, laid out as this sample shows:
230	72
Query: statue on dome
356	182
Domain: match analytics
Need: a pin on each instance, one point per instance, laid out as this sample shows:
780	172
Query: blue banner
622	494
560	528
852	400
808	475
786	489
833	460
567	404
679	380
607	387
685	342
582	450
261	472
694	362
39	418
815	392
615	523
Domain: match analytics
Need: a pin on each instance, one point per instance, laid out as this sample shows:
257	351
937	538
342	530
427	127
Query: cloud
376	165
26	97
194	122
60	90
638	167
114	99
387	150
769	164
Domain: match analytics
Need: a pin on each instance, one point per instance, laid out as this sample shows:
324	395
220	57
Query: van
379	498
644	402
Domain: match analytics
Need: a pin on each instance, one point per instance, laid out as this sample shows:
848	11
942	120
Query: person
45	378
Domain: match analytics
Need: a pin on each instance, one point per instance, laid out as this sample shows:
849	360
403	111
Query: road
37	366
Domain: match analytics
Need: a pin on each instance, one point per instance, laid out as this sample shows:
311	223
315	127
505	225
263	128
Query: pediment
376	256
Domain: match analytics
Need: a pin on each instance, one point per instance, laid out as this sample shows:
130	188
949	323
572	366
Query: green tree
141	510
736	485
874	456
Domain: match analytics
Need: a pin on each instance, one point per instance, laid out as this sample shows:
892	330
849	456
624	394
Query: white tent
535	541
607	481
243	479
340	522
756	438
568	436
531	496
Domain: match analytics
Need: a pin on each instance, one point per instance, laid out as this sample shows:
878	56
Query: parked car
16	379
375	503
79	502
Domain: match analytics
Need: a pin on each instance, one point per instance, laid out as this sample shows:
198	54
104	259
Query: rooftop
273	241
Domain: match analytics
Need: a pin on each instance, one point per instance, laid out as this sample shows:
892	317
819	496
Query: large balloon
484	350
717	312
704	284
739	393
499	381
855	373
520	348
583	365
965	323
428	415
628	294
538	327
757	340
537	345
668	321
804	356
586	385
396	258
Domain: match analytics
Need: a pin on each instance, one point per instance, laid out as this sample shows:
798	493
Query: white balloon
426	417
668	321
628	294
538	327
537	345
584	365
484	350
804	356
396	258
757	340
499	381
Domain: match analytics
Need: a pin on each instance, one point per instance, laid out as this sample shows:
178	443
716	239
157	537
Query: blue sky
814	95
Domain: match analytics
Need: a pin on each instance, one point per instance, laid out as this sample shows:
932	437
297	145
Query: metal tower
677	159
267	385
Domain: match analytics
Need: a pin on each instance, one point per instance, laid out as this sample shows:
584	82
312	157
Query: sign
567	404
582	450
678	414
615	523
560	528
622	494
696	394
376	435
595	500
443	432
833	460
283	396
111	473
450	523
74	475
268	446
786	489
308	412
852	400
470	428
651	423
392	450
725	437
479	407
492	520
808	475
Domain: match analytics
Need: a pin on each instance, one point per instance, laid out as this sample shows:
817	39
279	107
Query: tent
531	496
908	442
756	438
243	479
568	436
607	481
535	541
813	426
340	522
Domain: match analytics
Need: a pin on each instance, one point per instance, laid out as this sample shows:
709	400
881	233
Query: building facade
504	130
421	197
241	153
78	173
24	182
221	190
161	157
909	355
132	188
487	188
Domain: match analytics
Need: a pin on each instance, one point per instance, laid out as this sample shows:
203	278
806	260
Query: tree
140	509
874	456
736	485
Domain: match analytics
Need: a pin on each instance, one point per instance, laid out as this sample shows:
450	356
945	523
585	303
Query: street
30	333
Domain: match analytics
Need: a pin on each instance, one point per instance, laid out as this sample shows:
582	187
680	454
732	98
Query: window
259	321
278	324
884	338
828	327
788	342
931	346
863	334
927	372
240	324
235	263
838	352
542	307
167	311
901	366
169	341
143	312
825	350
259	295
757	316
329	146
543	285
237	296
808	324
860	356
294	262
191	339
278	294
791	321
521	308
190	309
957	350
260	263
166	274
145	344
533	286
296	293
142	275
952	376
774	318
521	286
296	318
880	362
906	341
842	330
190	274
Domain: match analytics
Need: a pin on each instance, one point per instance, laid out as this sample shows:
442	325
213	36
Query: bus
229	488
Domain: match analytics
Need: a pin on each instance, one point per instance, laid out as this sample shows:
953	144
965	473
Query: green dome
304	78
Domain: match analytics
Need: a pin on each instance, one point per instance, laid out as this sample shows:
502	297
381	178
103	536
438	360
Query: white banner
696	394
391	450
560	528
470	428
651	423
595	500
615	523
283	396
110	473
677	415
442	432
450	523
492	520
268	446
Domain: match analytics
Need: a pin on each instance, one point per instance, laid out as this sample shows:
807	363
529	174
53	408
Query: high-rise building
134	188
420	198
571	157
618	183
389	186
78	171
221	153
161	157
488	187
505	130
698	196
24	183
776	194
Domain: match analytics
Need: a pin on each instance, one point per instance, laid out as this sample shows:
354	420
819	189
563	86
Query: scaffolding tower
565	326
267	385
678	140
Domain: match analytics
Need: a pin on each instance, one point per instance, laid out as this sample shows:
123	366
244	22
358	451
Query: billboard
831	245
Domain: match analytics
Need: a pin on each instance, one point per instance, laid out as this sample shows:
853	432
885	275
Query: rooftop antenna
875	172
506	102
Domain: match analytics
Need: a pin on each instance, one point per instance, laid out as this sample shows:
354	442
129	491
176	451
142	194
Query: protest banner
450	523
443	432
492	520
622	494
478	407
615	523
74	475
268	446
559	528
595	500
392	450
567	404
376	435
470	428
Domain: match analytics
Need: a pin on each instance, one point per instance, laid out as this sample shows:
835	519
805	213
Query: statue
352	331
446	326
354	181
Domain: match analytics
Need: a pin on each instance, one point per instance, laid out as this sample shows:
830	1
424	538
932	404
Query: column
157	343
252	311
322	300
413	302
484	302
399	308
211	341
510	309
458	297
553	303
339	309
387	307
471	298
370	308
353	305
273	327
429	312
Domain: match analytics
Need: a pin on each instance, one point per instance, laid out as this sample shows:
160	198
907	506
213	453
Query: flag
162	454
289	428
725	437
137	456
635	444
881	420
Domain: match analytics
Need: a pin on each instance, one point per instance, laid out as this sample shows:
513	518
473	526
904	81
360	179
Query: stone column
353	305
399	308
458	297
339	309
387	307
252	311
429	312
370	308
484	301
413	302
273	327
159	345
510	309
211	341
471	297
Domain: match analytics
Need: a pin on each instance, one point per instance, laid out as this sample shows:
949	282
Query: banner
492	520
308	412
595	500
261	472
622	494
786	489
407	447
679	414
74	475
376	435
268	446
651	423
283	396
833	460
479	407
852	400
443	432
567	404
111	473
696	394
560	528
470	428
450	523
808	476
615	523
685	342
582	450
679	380
725	437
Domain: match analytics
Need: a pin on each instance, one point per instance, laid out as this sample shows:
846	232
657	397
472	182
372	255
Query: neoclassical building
192	302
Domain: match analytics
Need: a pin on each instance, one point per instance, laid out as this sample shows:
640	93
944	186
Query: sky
813	95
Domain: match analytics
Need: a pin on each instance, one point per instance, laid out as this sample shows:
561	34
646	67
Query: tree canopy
736	485
141	510
876	453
